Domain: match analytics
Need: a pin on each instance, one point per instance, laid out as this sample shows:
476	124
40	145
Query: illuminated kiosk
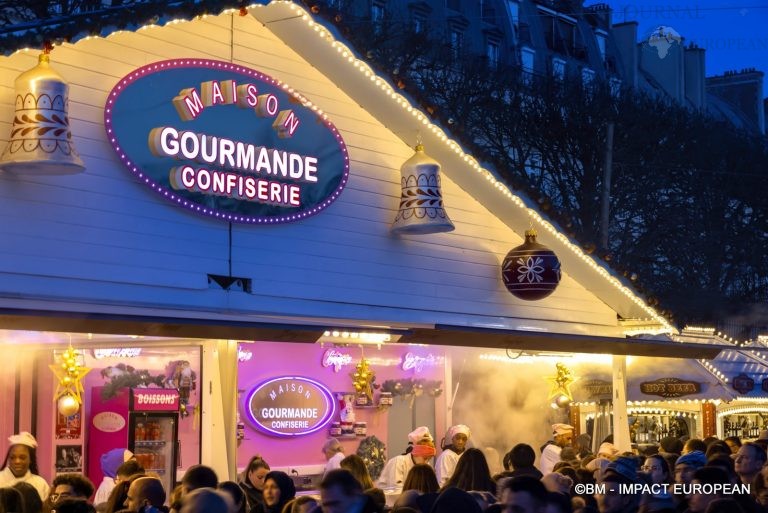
182	245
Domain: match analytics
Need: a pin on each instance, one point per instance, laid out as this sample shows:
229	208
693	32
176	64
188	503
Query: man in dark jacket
340	492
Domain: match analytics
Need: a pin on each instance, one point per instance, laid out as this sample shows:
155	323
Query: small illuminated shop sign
226	141
117	352
416	363
154	399
597	387
290	406
336	359
670	387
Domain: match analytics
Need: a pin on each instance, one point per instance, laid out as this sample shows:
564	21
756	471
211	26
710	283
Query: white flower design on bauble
530	269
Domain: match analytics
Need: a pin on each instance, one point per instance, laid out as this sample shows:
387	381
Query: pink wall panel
271	360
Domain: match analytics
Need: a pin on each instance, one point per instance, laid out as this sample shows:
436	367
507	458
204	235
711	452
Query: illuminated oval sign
290	406
226	141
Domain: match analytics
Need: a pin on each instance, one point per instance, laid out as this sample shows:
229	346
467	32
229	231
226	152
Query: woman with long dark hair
119	494
32	501
421	478
239	500
356	466
472	473
20	464
252	481
278	490
11	500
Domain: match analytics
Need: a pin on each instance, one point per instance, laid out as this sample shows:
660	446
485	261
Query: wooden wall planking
105	227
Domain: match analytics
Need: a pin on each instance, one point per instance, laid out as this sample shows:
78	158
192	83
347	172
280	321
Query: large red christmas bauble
531	271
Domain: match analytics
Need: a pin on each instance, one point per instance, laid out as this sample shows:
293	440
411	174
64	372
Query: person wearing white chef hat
457	437
550	452
20	464
421	448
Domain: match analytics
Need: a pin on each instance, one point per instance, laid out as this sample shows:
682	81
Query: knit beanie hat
695	459
624	466
23	438
111	461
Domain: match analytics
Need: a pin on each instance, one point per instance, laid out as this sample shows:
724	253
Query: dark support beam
557	342
156	326
442	335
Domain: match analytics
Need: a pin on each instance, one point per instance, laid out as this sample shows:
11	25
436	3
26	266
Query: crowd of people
691	476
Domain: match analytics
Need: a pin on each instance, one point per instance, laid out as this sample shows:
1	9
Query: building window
419	23
453	4
488	13
527	59
377	15
558	69
587	78
492	53
601	44
457	42
514	12
615	85
420	12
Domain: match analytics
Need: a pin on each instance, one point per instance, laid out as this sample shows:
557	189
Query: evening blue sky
735	34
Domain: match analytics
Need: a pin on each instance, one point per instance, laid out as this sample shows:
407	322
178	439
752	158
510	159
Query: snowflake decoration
530	269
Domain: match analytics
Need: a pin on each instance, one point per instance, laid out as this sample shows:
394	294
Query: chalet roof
319	42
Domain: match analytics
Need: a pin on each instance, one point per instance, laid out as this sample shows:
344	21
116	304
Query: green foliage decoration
409	387
124	376
374	454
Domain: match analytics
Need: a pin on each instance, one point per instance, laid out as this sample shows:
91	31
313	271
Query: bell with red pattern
531	271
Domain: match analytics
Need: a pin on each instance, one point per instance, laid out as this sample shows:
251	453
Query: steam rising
506	404
506	401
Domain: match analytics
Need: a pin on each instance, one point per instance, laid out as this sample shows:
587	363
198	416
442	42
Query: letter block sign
226	141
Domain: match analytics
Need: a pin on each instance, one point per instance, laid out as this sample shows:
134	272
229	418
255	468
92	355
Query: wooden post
621	437
708	416
575	419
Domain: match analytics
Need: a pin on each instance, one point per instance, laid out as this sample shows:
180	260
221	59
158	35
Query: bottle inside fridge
154	444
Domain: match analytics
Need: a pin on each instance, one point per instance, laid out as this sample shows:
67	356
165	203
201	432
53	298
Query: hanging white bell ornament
421	201
40	141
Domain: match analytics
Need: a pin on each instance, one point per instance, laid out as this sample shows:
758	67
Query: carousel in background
650	419
744	371
678	398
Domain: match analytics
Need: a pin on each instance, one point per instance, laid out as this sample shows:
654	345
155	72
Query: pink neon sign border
169	194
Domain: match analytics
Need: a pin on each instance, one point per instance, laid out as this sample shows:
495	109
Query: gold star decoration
70	373
561	382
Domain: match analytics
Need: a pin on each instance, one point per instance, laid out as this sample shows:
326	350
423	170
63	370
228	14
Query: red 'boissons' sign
154	399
